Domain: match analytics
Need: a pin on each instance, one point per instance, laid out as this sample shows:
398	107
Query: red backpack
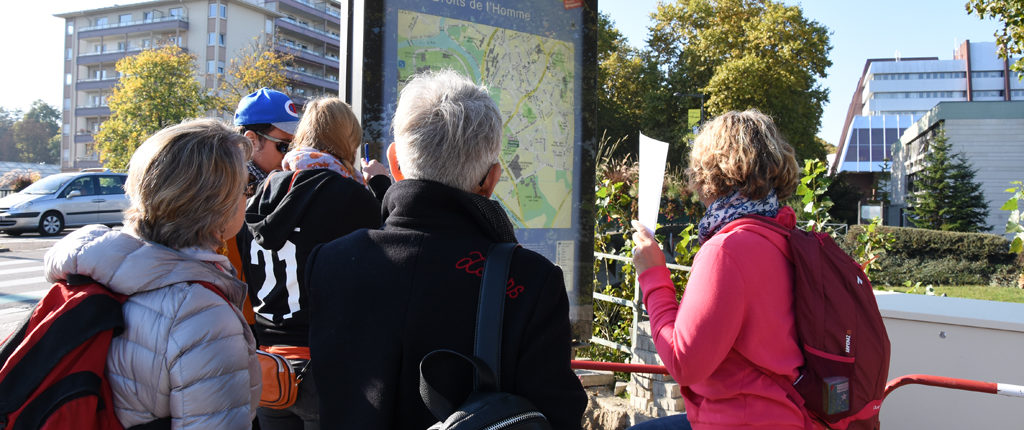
53	367
840	331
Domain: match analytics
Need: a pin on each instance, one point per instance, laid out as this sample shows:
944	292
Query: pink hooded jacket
736	315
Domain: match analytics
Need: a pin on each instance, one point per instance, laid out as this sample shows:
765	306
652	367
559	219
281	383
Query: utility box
959	338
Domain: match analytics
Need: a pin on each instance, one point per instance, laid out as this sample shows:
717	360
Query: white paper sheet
652	174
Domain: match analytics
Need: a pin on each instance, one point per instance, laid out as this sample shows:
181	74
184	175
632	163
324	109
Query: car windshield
49	184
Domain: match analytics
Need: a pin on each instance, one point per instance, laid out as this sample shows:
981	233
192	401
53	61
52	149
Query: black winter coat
382	299
290	214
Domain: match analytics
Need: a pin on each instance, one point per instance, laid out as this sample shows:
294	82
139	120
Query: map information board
538	135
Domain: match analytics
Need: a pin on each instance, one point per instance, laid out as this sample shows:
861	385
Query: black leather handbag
487	407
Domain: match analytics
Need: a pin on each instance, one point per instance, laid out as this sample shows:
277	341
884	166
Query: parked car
65	200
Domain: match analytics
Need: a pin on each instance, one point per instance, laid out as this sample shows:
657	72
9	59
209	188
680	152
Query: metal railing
126	24
634	305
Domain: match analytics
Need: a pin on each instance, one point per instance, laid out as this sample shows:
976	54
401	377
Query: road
21	277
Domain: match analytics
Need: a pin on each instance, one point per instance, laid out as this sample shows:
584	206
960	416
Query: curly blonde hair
742	151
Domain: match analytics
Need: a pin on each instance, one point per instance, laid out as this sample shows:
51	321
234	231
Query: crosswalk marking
22	270
13	262
22	281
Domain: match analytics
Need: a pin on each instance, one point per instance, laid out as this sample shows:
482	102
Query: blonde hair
184	181
742	151
329	125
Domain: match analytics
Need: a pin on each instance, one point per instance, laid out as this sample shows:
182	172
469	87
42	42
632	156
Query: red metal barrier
956	384
619	367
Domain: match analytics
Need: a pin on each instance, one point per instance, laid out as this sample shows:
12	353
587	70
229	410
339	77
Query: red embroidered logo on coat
474	265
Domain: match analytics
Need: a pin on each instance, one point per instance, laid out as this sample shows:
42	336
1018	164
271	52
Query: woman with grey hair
412	286
186	354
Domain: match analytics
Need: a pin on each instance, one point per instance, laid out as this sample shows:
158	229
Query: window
211	66
111	184
212	40
146	43
67	129
268	28
67	79
213	10
122	46
176	11
987	93
97	48
101	22
67	104
124	19
224	11
220	39
67	55
987	74
147	16
220	67
71	28
83	185
1017	94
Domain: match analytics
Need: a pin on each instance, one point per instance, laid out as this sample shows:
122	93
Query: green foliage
939	257
615	206
1010	39
871	245
8	152
34	134
157	89
745	54
1013	224
256	66
811	202
946	196
845	198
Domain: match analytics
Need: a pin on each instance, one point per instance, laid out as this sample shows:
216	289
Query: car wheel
51	223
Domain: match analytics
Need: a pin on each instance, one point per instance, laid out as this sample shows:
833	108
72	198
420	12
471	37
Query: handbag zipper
514	420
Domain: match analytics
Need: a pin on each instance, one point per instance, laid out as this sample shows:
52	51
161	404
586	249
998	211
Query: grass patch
979	292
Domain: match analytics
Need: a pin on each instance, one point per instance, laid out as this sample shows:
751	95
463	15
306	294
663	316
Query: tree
945	195
620	67
255	67
34	134
8	152
157	88
745	54
1011	38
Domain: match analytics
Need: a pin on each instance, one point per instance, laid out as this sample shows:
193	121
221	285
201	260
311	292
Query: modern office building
989	134
215	31
894	93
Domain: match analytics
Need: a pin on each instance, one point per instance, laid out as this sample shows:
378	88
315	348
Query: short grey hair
184	181
447	129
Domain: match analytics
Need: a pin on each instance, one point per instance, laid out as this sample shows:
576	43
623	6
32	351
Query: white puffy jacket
185	352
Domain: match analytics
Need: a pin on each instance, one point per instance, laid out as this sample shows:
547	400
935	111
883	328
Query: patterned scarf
730	208
307	158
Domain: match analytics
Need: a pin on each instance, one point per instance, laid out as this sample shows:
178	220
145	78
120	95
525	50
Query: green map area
531	79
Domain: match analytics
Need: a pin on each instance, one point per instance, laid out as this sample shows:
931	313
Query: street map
531	79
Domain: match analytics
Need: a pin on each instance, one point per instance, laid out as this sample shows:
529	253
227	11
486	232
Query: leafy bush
18	179
940	257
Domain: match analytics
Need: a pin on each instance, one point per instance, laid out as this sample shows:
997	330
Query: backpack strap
491	308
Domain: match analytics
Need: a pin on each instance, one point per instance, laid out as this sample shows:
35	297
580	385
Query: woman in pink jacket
734	325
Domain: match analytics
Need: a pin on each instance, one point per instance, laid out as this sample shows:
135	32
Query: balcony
95	84
83	137
308	55
168	23
311	79
112	56
92	110
310	8
309	31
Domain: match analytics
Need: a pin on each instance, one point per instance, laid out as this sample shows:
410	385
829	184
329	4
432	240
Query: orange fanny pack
280	381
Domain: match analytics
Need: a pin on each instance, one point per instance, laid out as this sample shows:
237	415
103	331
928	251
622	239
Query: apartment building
894	93
215	31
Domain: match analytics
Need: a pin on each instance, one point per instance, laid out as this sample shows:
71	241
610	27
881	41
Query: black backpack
487	407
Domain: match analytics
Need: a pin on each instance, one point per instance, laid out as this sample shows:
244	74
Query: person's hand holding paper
647	253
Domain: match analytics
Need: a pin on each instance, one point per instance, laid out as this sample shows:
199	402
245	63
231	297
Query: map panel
531	78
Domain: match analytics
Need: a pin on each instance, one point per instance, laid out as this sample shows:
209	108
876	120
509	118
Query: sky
34	42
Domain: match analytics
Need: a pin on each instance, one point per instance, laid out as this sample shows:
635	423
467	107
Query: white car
65	200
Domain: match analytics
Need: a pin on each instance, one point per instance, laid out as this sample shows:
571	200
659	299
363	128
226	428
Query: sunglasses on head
281	144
